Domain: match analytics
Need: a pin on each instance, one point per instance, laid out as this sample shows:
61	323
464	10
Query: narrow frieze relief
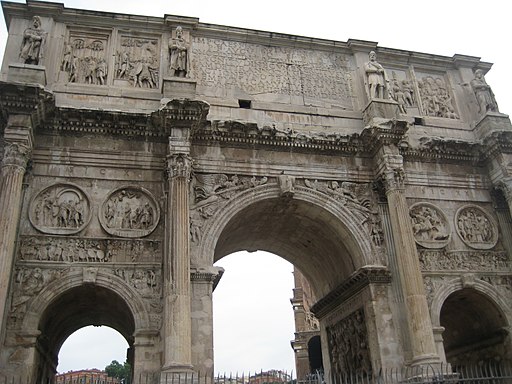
476	228
130	211
137	62
348	345
442	260
61	209
87	250
429	225
85	59
209	192
435	97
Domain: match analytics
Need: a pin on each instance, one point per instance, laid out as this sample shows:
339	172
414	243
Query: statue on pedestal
33	41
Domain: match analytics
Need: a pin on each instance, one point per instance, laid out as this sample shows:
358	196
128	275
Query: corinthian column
418	317
16	155
177	332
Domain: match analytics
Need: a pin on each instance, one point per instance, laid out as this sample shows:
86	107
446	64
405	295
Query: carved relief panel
85	58
60	209
259	70
476	228
401	89
137	62
429	225
436	96
348	345
129	212
81	250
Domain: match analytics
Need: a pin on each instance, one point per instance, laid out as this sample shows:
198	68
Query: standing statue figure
377	81
33	40
483	93
178	49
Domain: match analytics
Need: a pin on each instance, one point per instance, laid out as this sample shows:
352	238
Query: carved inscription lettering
259	69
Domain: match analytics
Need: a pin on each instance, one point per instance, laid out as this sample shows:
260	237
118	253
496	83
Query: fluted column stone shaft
177	322
420	330
17	151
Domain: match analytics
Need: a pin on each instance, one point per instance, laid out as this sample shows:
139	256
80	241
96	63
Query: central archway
323	238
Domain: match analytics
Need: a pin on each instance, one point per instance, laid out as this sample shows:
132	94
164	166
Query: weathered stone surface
137	151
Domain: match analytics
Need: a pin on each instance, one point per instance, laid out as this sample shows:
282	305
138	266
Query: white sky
473	28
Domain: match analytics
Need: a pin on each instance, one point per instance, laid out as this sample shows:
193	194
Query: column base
180	374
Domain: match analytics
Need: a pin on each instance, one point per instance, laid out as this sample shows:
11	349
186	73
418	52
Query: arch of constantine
137	151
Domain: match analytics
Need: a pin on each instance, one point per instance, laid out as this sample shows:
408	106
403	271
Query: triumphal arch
137	151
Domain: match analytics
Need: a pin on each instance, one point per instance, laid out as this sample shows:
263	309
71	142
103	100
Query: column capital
179	165
16	154
391	172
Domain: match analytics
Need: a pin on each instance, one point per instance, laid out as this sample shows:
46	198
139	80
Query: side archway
76	301
476	328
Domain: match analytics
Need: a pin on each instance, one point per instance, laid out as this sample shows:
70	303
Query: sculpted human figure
483	93
33	40
376	78
178	49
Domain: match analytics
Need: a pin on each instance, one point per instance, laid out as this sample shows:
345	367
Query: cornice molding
359	280
26	99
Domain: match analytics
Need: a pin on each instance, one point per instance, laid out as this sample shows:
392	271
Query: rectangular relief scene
85	59
137	62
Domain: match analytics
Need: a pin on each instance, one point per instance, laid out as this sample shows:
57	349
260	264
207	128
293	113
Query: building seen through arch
137	151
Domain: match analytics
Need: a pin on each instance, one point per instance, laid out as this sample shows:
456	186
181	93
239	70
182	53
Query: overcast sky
473	28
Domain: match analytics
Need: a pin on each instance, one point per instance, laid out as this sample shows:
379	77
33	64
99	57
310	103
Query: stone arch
81	298
104	280
458	284
342	230
473	319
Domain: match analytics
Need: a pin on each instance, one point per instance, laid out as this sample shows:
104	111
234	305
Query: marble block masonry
137	151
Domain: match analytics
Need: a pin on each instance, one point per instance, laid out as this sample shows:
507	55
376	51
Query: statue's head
372	55
36	21
179	31
479	73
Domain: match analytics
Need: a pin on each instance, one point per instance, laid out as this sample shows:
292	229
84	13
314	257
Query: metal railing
447	374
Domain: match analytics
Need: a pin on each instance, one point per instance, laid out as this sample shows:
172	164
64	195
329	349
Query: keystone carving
61	209
129	212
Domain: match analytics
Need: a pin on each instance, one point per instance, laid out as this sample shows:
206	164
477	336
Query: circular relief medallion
476	228
429	226
129	212
60	209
